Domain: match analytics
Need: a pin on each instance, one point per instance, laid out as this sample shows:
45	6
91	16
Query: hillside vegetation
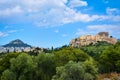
91	62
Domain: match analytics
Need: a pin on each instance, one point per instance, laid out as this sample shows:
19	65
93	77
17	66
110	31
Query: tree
45	66
118	65
5	61
91	69
110	58
21	67
95	50
8	75
71	71
68	53
75	71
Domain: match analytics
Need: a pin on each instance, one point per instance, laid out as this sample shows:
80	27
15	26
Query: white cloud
112	29
2	34
77	3
10	11
56	31
8	32
112	11
104	27
12	31
64	35
94	29
50	12
81	32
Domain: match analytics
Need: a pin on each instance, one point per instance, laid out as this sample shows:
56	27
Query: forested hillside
64	63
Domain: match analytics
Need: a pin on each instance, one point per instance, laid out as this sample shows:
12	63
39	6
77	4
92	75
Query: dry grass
110	76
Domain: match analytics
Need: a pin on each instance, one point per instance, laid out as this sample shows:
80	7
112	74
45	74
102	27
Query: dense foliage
111	59
66	54
76	71
95	50
65	63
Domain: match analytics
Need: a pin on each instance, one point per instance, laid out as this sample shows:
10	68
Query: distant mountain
16	43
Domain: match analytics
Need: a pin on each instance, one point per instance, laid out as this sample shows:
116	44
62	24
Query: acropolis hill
88	39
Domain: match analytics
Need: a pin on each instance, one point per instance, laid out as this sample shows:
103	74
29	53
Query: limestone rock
88	39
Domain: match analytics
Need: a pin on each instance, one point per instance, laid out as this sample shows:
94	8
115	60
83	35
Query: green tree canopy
21	67
75	71
45	66
5	61
68	53
110	59
95	50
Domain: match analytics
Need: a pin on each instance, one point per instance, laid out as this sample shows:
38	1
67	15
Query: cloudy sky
47	23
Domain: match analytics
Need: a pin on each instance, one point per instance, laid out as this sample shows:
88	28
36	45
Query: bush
76	71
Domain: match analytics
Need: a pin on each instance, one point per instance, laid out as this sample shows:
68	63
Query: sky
47	23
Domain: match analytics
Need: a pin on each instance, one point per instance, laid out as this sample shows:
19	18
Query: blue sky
47	23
